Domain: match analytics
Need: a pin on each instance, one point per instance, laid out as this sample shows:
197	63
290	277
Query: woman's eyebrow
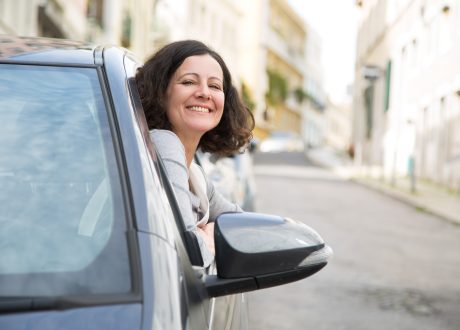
217	78
196	75
187	74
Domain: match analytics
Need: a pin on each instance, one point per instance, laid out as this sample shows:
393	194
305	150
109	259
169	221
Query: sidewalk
427	197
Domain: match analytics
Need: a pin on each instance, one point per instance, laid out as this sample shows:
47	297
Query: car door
163	218
222	313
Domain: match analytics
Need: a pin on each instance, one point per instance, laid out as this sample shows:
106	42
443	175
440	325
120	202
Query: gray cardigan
172	153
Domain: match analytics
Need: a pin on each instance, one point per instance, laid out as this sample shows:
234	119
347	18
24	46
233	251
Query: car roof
45	50
283	134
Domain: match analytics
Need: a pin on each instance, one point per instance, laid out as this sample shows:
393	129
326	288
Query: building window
47	26
387	87
446	29
95	12
453	129
369	105
126	31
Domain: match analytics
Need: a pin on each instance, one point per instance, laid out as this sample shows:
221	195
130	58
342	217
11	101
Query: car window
62	219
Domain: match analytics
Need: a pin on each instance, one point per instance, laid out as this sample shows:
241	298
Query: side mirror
252	147
256	251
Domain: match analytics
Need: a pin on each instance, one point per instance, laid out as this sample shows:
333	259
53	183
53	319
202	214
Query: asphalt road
394	267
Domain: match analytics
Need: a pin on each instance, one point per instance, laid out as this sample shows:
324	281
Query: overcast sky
336	22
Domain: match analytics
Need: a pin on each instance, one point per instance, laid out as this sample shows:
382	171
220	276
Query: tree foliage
277	88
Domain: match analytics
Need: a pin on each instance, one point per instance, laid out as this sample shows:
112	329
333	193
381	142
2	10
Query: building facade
338	126
57	18
286	64
407	91
213	22
126	23
272	54
314	104
262	41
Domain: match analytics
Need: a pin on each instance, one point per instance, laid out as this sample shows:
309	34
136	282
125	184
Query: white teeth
199	109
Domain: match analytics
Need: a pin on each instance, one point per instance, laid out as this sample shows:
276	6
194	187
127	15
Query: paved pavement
382	275
427	197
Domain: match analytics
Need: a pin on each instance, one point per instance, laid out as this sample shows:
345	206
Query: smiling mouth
199	109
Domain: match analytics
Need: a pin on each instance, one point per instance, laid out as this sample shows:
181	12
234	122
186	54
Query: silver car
279	141
232	176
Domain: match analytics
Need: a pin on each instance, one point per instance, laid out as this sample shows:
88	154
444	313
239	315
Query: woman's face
195	96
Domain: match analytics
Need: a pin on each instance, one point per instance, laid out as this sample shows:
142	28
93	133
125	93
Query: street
394	267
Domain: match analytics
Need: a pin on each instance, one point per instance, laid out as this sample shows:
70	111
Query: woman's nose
204	92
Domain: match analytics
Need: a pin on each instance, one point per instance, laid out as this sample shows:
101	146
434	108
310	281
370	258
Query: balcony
280	47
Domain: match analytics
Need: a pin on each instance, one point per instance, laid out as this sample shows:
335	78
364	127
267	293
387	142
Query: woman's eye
215	87
188	82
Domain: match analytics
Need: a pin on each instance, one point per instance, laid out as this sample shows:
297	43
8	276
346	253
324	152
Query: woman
189	103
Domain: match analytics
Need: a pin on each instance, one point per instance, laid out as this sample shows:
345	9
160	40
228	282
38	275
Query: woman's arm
172	153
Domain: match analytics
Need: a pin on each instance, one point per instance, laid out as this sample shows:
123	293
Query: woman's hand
207	232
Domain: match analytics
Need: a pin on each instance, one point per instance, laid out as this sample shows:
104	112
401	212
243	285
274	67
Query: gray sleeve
172	153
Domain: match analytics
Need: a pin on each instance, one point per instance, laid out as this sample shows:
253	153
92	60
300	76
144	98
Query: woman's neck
189	155
190	144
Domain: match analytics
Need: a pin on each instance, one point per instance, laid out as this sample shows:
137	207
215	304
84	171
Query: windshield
62	220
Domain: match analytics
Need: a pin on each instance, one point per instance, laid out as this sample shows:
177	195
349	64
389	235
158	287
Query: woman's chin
203	128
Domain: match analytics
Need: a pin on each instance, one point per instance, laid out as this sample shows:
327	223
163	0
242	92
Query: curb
410	200
414	201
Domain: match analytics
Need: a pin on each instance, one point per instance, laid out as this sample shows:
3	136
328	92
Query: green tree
277	88
301	95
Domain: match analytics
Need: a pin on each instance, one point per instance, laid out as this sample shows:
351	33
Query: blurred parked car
279	141
232	176
91	236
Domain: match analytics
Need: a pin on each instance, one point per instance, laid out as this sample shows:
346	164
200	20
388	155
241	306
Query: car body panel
140	177
162	284
45	50
111	317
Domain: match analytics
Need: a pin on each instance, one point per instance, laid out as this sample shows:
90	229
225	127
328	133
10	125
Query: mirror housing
256	251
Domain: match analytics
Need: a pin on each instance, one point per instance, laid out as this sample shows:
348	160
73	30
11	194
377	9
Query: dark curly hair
235	127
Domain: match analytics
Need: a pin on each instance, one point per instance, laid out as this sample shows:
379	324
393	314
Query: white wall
422	39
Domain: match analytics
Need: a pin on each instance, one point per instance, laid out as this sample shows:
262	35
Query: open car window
188	238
